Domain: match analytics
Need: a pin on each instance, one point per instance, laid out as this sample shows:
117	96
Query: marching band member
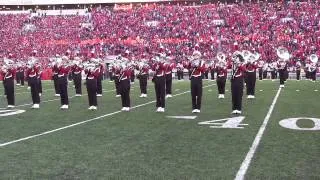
180	71
92	72
298	69
221	69
110	72
265	68
169	66
8	72
273	68
99	79
206	72
77	77
212	68
124	85
55	71
260	69
32	74
251	75
237	73
126	57
312	67
143	68
39	78
197	69
20	74
116	74
282	64
63	71
159	83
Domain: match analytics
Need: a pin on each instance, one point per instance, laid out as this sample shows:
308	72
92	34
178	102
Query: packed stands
253	26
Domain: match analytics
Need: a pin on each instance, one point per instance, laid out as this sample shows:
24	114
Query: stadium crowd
260	27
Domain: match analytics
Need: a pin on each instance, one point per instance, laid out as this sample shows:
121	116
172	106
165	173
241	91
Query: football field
276	137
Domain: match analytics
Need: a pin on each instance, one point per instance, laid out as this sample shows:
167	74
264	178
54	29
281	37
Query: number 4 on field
233	123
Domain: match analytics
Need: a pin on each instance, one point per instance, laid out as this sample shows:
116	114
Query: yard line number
291	123
228	123
236	123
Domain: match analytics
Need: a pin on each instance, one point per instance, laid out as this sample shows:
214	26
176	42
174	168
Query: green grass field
109	144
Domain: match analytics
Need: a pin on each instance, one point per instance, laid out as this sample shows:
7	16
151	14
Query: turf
143	144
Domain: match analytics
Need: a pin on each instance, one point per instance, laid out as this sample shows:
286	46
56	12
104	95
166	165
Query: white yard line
82	122
246	162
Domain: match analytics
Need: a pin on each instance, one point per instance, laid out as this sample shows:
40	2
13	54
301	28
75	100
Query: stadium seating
141	29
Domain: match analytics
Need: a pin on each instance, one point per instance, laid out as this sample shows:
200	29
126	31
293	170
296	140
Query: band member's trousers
196	92
111	76
99	84
307	74
28	82
180	74
206	74
132	76
92	91
4	89
313	75
55	83
221	83
9	90
298	74
237	93
160	88
212	74
40	85
63	86
286	74
34	85
116	83
260	73
70	76
282	76
20	78
169	83
143	80
124	86
251	82
274	74
265	74
77	83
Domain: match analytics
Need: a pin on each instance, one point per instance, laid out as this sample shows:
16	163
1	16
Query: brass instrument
283	53
237	57
313	58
